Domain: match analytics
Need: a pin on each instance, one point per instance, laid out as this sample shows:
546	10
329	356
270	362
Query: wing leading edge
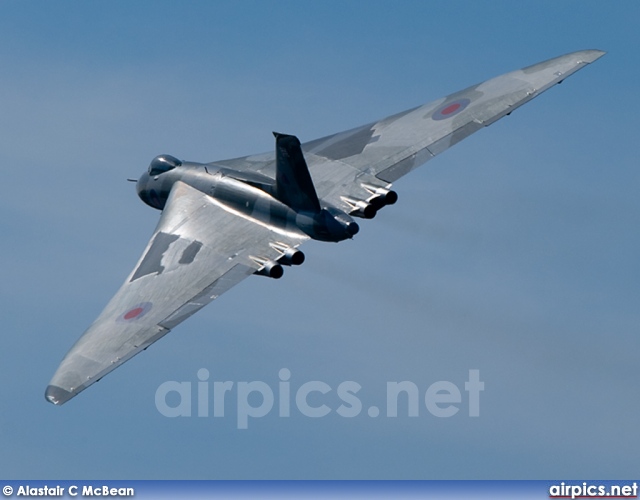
198	251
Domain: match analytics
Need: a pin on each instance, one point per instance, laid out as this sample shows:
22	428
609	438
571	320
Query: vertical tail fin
293	181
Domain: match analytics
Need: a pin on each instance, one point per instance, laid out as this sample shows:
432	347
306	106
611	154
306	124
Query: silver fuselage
248	194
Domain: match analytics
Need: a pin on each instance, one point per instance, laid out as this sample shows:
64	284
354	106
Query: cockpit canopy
163	163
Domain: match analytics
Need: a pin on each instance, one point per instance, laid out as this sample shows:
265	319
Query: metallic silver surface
226	220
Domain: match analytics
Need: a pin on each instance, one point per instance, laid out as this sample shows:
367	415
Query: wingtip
592	55
57	395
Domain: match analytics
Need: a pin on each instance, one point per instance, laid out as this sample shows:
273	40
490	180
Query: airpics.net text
256	399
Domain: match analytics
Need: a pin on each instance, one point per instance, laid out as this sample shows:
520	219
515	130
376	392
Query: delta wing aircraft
224	221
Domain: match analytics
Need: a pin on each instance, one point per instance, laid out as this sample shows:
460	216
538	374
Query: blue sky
514	253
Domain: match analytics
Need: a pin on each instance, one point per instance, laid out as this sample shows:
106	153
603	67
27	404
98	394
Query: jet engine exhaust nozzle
270	268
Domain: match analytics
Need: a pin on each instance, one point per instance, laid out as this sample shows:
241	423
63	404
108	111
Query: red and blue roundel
450	109
136	312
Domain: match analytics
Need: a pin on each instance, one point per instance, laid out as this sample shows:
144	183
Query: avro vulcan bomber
227	220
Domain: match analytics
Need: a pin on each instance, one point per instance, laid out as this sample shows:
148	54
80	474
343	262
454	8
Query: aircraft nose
142	181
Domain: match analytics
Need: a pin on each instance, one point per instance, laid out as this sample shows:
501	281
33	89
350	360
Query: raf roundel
450	109
136	312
